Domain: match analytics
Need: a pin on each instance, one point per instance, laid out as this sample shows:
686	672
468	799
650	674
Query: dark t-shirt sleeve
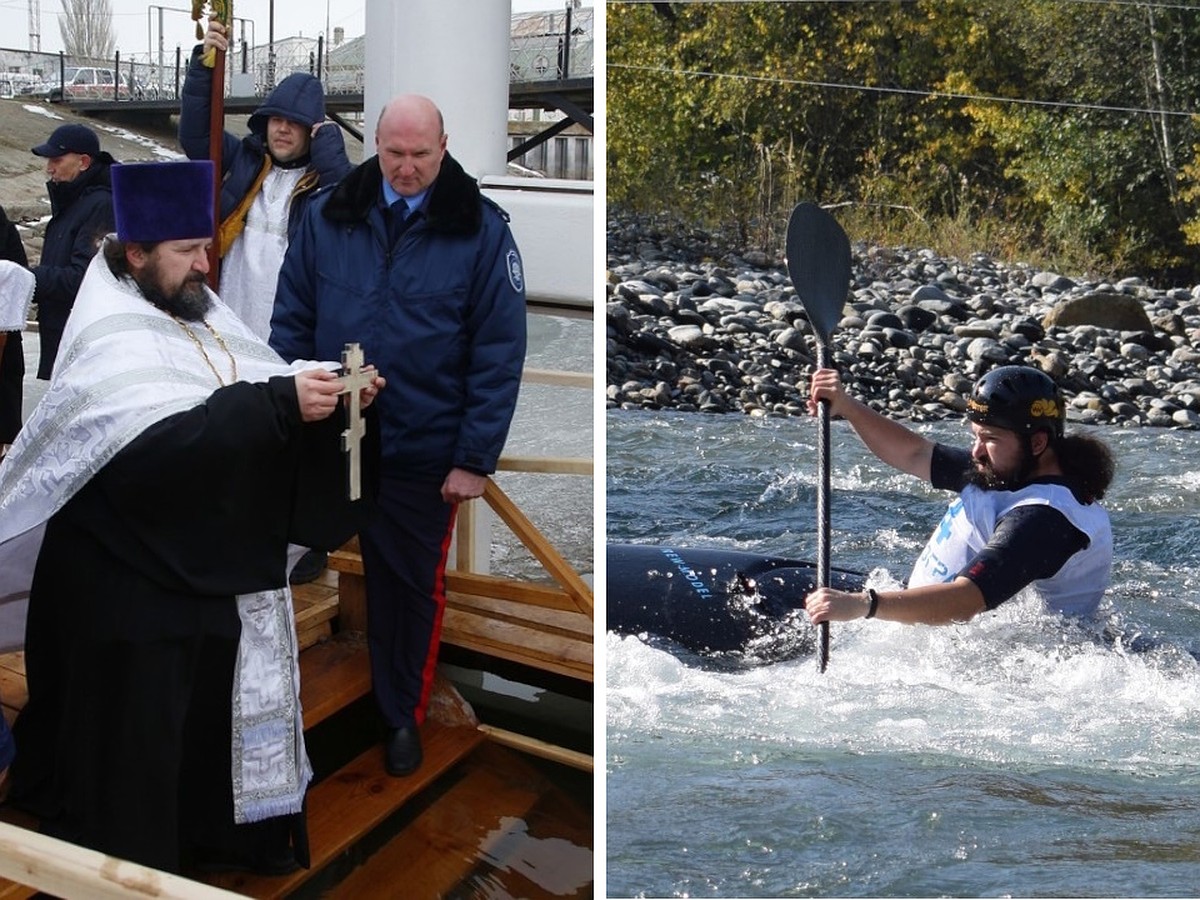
949	468
1030	543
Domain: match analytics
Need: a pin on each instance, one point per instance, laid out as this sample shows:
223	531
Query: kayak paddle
818	261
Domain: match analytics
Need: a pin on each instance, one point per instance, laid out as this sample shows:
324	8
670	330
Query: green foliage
1033	124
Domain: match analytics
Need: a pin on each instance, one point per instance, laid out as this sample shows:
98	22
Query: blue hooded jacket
299	98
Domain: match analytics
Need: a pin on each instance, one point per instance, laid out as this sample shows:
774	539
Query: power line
949	95
1191	7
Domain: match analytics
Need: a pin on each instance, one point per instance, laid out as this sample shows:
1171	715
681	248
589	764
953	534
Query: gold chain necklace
220	343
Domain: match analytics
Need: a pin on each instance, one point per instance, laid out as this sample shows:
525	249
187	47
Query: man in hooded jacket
268	176
81	214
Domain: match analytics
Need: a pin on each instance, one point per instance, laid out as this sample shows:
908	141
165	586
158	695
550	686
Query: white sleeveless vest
1076	589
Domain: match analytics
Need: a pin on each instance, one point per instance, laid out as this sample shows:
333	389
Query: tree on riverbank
86	28
1051	124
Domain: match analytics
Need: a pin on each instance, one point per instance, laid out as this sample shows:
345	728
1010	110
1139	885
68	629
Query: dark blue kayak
713	601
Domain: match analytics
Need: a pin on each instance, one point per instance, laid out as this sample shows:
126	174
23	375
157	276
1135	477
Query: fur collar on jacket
453	206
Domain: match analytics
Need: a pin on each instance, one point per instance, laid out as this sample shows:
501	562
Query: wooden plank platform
355	800
534	624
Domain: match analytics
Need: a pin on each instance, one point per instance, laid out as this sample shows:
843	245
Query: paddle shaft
823	517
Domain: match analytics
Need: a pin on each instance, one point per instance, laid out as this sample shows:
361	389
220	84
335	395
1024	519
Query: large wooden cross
353	381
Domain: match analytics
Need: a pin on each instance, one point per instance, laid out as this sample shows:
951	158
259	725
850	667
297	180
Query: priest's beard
189	301
984	475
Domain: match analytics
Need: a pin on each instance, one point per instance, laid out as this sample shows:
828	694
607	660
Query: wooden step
13	690
316	606
484	837
356	799
10	890
333	674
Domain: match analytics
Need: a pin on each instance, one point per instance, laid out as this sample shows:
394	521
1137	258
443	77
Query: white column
456	52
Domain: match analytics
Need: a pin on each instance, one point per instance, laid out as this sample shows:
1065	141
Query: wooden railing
62	869
548	627
473	543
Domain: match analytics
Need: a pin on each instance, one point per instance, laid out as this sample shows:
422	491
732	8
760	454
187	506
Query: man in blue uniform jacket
406	257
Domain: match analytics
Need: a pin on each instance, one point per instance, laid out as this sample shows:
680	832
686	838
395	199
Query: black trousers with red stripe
404	554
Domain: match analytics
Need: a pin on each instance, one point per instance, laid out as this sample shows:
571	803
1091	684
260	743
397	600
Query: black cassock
131	642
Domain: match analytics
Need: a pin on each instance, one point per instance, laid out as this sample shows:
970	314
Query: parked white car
82	83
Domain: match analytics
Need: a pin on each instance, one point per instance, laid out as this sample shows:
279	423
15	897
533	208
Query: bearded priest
149	512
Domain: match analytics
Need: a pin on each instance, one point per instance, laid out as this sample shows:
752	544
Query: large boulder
1115	312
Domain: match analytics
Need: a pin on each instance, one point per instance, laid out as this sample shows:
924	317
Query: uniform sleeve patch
515	276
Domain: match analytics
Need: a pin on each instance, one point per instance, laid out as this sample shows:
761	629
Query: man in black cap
148	509
81	214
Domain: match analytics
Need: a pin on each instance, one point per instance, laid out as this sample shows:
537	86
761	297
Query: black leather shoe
308	567
402	751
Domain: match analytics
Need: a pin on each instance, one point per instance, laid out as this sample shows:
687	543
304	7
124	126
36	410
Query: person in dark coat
12	351
407	257
81	215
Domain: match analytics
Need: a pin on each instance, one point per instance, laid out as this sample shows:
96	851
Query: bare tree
86	27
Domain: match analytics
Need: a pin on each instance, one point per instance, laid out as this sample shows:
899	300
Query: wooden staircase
372	835
351	802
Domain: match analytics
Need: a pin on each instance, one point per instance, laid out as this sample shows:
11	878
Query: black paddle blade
818	261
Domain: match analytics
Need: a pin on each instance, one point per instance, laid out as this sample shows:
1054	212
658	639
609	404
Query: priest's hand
461	485
317	391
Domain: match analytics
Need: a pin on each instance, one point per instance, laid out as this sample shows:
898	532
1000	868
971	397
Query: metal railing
551	46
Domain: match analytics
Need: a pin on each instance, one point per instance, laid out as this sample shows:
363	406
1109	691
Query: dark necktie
397	213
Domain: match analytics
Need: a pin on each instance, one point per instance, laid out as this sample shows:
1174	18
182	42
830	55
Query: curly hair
1087	465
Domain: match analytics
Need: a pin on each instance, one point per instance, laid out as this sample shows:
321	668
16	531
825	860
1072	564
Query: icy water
1018	755
552	421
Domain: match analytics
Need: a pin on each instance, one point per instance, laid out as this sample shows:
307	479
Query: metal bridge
573	97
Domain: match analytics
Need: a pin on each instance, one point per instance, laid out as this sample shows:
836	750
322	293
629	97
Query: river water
1017	755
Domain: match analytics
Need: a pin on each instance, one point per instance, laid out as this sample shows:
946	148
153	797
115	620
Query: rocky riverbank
693	327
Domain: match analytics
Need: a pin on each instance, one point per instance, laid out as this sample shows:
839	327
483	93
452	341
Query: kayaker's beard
983	474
